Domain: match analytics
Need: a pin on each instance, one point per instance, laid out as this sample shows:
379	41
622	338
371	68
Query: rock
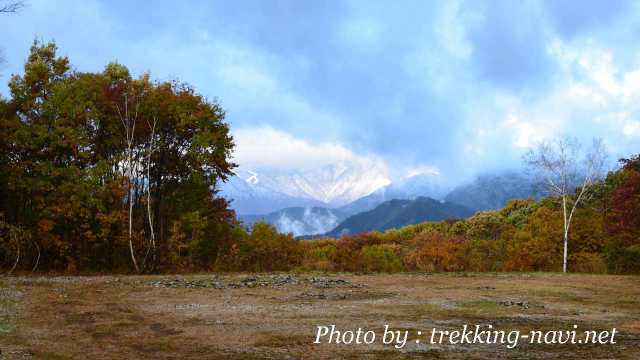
252	281
311	296
522	304
325	283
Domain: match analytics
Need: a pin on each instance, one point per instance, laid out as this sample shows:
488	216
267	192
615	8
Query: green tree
99	166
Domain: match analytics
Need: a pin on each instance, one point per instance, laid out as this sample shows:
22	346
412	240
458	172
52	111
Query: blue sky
456	87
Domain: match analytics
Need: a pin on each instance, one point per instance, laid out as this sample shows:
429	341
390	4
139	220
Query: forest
104	172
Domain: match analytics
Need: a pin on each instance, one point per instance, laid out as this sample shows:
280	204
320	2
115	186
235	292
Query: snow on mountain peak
253	179
334	185
298	172
422	170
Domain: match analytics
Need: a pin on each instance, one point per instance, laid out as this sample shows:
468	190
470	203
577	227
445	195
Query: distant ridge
398	213
492	191
426	185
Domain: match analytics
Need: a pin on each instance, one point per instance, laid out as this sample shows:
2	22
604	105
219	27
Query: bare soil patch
274	316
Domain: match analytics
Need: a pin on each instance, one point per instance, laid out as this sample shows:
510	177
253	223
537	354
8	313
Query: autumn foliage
102	172
525	235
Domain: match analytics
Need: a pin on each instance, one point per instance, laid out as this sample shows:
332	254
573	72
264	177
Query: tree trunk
17	242
157	203
564	258
133	255
149	215
565	233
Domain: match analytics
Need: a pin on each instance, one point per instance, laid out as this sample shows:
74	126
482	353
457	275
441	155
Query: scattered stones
522	304
188	284
16	354
252	281
311	296
324	296
265	281
189	306
325	283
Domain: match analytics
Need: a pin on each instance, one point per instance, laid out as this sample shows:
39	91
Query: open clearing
274	316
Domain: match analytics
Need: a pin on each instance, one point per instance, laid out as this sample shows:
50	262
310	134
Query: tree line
525	235
104	172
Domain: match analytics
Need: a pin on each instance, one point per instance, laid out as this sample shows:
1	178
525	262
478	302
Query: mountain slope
249	196
267	190
490	192
397	213
427	185
300	220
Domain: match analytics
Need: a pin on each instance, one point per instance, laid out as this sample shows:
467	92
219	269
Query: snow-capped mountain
248	196
263	191
336	184
424	184
314	201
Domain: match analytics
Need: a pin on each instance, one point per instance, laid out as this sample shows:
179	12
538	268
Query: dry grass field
274	316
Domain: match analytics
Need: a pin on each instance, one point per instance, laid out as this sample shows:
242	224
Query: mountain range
492	191
427	184
248	196
398	213
317	201
267	190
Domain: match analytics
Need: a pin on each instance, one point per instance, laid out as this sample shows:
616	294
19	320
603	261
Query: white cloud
323	171
591	97
596	84
266	147
525	133
631	128
591	73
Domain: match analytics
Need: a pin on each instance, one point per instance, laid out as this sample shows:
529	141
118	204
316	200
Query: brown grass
126	318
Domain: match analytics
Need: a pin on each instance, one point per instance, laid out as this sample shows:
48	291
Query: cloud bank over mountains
260	147
458	86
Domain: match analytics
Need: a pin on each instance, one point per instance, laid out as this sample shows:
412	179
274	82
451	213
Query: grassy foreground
256	316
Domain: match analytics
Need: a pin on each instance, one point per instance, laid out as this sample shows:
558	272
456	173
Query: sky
448	87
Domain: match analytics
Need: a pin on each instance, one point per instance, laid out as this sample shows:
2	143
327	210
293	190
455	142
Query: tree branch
11	7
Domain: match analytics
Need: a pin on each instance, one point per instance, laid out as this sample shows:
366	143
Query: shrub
380	258
318	254
348	250
485	225
621	259
587	263
517	211
264	249
435	252
481	255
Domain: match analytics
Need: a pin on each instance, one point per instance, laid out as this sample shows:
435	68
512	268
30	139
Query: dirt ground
275	316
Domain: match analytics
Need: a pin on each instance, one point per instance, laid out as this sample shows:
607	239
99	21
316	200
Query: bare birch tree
129	125
150	152
16	236
568	174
